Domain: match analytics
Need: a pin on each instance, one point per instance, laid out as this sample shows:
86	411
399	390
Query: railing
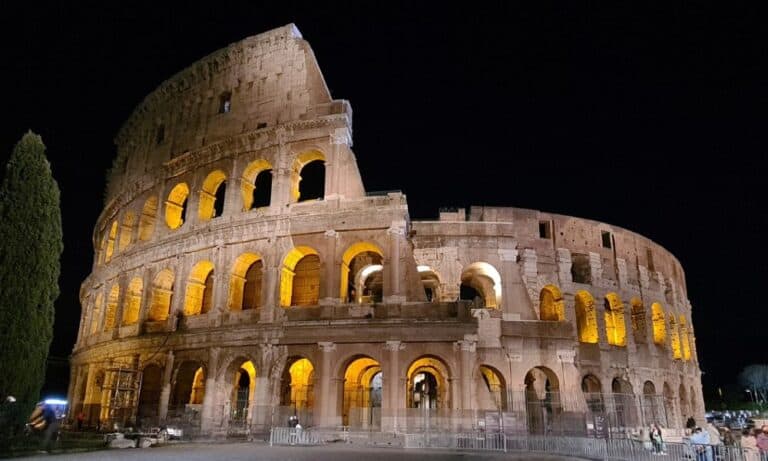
294	436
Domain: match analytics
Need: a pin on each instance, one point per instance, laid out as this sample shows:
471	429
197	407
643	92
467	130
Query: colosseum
243	275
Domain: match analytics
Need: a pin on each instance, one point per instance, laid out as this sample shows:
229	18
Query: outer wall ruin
243	275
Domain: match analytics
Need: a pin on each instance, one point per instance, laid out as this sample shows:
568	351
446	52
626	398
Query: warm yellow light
586	317
247	181
238	279
162	291
198	387
485	279
132	303
674	338
615	326
111	312
551	304
288	273
302	160
659	324
111	242
346	259
147	219
174	206
638	320
211	184
126	230
685	338
197	289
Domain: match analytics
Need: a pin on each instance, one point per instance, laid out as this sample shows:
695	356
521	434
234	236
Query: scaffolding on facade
123	387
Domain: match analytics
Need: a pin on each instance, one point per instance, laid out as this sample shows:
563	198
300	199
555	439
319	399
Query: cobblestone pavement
251	451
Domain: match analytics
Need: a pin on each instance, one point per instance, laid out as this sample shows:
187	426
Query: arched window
212	196
586	317
430	279
481	283
256	185
300	277
638	320
551	304
245	282
674	341
615	327
361	269
684	338
111	312
96	314
147	219
308	181
162	293
176	206
126	230
659	324
132	302
199	289
112	236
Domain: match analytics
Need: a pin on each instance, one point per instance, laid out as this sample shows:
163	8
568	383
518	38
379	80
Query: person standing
656	439
749	445
80	419
762	442
51	427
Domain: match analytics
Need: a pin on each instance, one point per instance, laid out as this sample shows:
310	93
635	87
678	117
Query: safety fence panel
294	436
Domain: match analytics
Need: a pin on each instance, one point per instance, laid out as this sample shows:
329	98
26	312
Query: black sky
649	117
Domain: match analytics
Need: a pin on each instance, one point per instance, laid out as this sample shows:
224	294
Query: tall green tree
30	251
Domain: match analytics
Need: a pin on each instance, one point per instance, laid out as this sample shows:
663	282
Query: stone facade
222	298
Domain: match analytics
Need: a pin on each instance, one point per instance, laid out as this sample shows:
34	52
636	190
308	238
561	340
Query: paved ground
251	451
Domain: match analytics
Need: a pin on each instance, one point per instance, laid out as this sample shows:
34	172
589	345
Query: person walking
656	440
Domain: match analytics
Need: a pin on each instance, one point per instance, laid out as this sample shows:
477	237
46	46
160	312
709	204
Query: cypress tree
30	248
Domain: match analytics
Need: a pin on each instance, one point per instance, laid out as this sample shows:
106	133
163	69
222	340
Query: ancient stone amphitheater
243	275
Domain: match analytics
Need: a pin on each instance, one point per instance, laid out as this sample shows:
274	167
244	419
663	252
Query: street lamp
751	394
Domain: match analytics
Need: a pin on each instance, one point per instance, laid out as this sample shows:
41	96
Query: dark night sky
651	118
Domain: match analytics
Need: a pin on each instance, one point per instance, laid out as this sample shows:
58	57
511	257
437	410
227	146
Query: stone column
326	414
209	400
515	302
220	285
393	400
74	381
394	268
165	391
146	299
270	292
570	382
122	282
467	348
329	290
179	292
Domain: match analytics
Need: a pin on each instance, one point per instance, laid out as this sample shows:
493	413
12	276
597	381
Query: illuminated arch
651	405
431	281
188	385
624	401
147	219
111	237
96	314
300	277
248	181
586	317
176	206
126	230
490	389
132	301
111	312
297	384
357	256
301	161
210	195
245	282
638	320
198	387
361	392
199	297
552	305
427	385
485	280
615	327
659	324
162	293
684	338
243	375
674	338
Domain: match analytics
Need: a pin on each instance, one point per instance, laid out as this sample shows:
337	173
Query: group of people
753	442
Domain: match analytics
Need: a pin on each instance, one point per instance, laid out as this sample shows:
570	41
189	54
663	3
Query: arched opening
593	393
483	282
162	294
147	219
685	411
188	391
300	278
96	314
245	282
126	230
586	317
669	404
297	395
674	337
427	385
491	389
132	302
176	206
243	392
212	196
199	297
361	273
659	324
542	400
615	328
684	339
652	405
624	405
551	304
430	280
111	312
149	397
694	408
256	185
361	405
309	176
112	236
638	320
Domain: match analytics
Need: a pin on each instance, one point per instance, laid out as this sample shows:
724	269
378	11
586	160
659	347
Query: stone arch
126	230
428	379
111	237
615	327
256	184
624	403
96	314
362	393
652	404
659	324
111	312
188	387
199	297
132	301
684	339
212	196
694	408
149	396
240	376
542	399
592	389
638	320
586	317
300	277
490	389
432	283
302	161
148	218
674	338
356	258
669	404
176	206
297	385
245	282
162	294
685	411
551	304
482	280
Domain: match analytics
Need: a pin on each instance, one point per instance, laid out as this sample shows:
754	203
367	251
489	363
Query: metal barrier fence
592	448
294	436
